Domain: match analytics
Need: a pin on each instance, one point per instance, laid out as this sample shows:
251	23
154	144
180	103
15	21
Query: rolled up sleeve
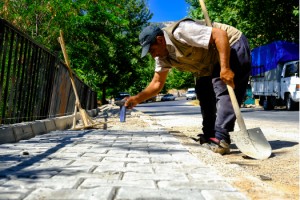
193	34
161	65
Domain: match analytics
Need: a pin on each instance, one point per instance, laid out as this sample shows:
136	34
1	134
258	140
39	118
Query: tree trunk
103	98
5	9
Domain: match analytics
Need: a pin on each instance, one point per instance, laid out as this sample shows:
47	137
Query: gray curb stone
49	124
22	131
38	128
7	135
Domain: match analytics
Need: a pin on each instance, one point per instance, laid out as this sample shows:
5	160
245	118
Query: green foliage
261	21
145	72
104	40
40	19
179	80
102	35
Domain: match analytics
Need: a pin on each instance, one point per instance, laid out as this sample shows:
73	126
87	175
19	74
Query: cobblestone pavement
117	161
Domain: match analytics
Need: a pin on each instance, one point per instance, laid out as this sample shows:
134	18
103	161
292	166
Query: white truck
191	94
275	75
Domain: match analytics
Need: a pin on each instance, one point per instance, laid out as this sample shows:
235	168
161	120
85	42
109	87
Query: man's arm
155	86
220	39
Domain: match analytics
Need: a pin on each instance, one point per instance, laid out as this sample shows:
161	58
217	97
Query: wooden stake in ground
86	120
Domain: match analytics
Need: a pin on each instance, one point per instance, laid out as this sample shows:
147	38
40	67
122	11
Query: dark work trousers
215	104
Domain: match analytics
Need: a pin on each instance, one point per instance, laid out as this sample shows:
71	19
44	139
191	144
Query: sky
168	10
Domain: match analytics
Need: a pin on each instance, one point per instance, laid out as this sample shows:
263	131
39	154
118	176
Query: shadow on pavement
24	159
279	144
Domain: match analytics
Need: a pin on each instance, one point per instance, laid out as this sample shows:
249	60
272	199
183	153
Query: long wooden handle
67	61
233	99
236	108
204	10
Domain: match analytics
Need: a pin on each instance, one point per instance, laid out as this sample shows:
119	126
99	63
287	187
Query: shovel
251	142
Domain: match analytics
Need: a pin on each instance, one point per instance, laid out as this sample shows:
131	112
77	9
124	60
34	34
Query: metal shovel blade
252	143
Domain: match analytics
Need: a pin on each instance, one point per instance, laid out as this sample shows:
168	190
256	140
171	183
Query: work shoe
217	146
201	139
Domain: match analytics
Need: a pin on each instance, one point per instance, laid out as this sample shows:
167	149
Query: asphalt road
183	107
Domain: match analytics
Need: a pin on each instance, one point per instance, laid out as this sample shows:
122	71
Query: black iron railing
34	83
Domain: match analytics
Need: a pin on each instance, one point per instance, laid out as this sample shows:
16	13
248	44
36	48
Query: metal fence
34	83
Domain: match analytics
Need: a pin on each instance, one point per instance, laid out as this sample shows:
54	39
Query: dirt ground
274	178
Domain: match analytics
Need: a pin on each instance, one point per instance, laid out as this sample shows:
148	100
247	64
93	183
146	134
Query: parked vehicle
121	95
168	97
191	94
275	75
152	99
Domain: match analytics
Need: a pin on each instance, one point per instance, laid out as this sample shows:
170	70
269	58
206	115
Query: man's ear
160	39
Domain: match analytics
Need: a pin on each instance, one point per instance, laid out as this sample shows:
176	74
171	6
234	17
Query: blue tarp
265	58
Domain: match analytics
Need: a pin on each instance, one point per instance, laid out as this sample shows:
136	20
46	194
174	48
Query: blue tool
123	113
122	110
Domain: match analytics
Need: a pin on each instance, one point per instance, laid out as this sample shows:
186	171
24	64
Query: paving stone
147	163
101	156
160	167
132	193
98	183
67	155
74	168
117	150
21	183
126	160
28	172
162	158
142	149
54	163
71	194
13	193
154	176
107	175
108	167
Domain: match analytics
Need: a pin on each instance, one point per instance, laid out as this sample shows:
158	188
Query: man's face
158	48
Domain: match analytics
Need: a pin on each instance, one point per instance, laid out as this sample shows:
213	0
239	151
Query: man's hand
152	89
220	39
131	102
227	76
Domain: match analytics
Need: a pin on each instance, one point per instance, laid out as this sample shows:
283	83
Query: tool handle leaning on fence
67	61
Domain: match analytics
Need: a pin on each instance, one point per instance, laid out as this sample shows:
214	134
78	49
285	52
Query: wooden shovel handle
234	102
236	108
204	10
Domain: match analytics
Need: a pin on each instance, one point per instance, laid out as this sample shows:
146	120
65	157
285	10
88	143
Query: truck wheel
261	101
290	104
268	105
